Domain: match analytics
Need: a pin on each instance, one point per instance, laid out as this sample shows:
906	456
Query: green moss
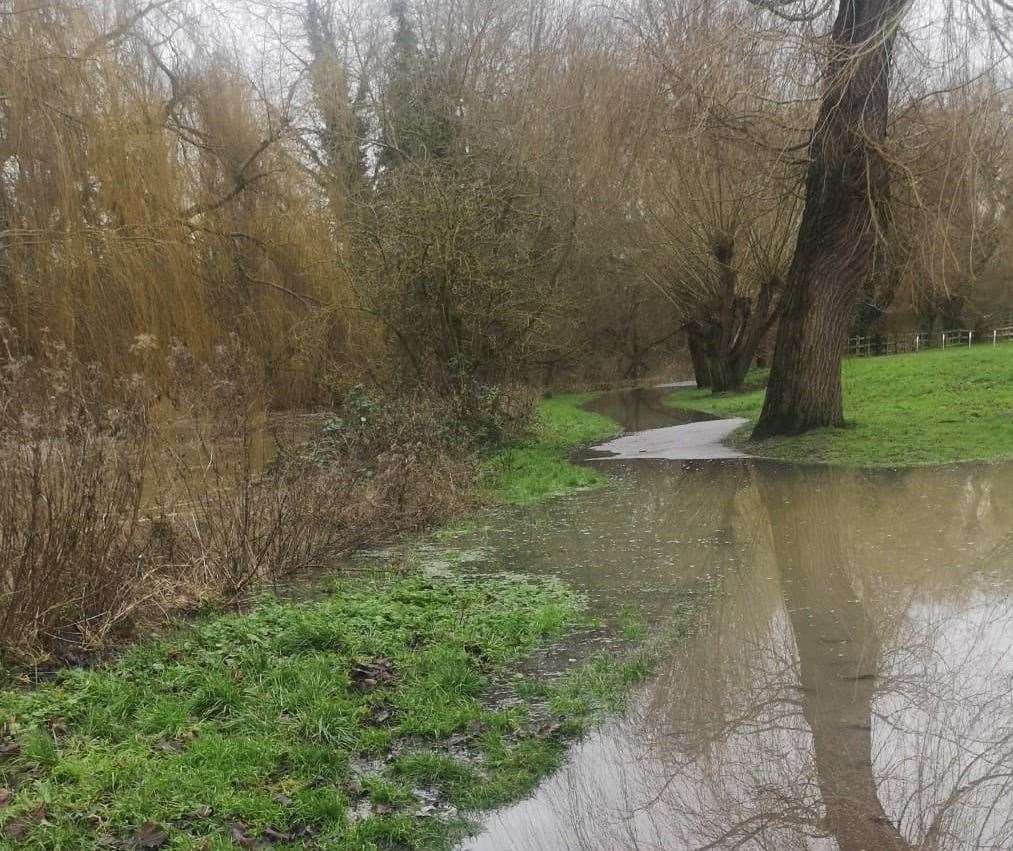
928	408
540	467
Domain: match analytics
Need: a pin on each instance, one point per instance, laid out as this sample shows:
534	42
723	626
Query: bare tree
718	195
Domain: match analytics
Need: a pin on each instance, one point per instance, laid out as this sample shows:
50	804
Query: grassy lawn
540	467
929	408
363	720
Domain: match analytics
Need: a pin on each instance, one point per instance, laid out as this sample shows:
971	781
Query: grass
540	467
929	408
362	720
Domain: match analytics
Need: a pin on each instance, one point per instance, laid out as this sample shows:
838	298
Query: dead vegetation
119	505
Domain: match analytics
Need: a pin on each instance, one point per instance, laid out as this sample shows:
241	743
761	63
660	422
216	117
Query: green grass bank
377	715
929	408
539	467
369	719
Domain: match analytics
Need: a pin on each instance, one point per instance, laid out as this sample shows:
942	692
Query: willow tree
844	218
959	236
718	200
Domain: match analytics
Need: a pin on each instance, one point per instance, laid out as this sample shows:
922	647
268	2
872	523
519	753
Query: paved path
693	441
672	385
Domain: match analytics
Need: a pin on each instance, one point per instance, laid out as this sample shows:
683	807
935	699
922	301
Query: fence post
995	337
970	337
944	339
918	340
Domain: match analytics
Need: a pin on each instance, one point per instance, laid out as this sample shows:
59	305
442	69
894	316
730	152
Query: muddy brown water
851	687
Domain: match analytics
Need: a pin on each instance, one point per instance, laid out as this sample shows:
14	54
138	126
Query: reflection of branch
742	838
932	834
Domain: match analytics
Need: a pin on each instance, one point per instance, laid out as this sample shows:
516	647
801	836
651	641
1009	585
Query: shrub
73	455
229	517
116	504
368	424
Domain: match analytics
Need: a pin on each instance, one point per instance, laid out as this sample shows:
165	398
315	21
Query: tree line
439	193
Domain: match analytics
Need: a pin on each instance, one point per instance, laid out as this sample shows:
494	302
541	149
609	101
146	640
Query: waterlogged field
382	712
829	651
848	686
371	718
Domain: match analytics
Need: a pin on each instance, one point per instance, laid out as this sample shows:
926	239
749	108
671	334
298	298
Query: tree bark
843	220
953	312
723	344
698	355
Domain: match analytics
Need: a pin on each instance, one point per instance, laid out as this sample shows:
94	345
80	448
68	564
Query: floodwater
851	686
644	408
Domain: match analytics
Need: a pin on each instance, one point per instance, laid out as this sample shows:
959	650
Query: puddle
644	408
852	687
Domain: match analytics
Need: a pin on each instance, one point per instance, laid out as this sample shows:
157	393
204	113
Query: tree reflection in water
852	687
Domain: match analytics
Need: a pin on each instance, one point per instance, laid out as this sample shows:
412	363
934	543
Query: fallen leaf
370	674
15	829
272	835
379	714
149	837
240	835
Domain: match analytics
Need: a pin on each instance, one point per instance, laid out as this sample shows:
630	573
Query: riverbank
373	715
539	467
935	407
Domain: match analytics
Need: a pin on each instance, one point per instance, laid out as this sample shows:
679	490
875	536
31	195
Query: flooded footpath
851	687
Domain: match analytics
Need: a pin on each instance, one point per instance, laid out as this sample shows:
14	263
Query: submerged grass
359	721
540	467
928	408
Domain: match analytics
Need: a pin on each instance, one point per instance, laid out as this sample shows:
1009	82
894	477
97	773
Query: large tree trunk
757	319
843	219
953	312
698	355
723	344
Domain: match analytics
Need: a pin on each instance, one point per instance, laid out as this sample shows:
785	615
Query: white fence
1002	335
895	344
